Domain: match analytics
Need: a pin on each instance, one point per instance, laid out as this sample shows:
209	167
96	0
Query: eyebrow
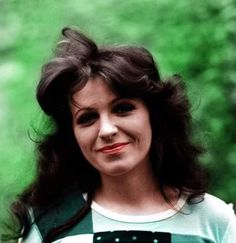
81	108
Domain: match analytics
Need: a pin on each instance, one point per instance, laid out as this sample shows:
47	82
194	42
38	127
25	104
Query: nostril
108	135
107	129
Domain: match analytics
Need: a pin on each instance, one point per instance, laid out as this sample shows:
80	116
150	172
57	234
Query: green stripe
178	238
61	213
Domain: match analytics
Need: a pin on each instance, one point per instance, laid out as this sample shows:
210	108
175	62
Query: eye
123	108
87	118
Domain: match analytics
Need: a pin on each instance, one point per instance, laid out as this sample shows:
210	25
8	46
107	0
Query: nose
108	128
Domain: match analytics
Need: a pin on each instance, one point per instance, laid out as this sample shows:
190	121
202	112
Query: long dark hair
129	71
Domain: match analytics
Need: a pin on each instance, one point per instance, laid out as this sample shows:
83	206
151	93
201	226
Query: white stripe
85	238
142	218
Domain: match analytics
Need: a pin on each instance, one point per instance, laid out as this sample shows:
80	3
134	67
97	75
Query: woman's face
113	133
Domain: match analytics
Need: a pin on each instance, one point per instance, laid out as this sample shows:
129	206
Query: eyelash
120	109
123	108
87	118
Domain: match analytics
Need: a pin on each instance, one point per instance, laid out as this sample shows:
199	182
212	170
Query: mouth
114	148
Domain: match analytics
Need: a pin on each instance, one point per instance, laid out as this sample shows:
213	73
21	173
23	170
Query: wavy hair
129	71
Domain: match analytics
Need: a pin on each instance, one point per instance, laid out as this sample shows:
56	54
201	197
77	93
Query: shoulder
59	213
44	219
222	217
215	206
212	212
212	207
213	218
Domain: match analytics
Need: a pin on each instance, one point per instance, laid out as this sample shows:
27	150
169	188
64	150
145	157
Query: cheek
145	131
78	136
141	126
84	146
84	138
141	133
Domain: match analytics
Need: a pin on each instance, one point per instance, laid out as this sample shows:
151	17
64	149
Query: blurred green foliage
194	38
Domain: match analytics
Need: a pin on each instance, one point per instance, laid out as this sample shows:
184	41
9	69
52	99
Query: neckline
139	218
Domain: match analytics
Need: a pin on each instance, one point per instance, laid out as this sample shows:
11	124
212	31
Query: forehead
95	90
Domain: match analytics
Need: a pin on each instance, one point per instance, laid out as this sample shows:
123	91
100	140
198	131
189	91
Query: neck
131	194
128	189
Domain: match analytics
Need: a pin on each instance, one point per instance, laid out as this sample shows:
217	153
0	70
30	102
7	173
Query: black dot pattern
132	237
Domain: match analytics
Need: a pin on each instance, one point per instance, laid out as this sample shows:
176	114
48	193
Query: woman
119	165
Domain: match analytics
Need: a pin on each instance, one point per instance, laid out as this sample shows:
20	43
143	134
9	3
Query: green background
193	38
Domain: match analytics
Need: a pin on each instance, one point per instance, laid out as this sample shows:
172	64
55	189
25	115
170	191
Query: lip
114	148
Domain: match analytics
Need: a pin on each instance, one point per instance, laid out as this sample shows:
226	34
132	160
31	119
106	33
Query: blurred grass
192	38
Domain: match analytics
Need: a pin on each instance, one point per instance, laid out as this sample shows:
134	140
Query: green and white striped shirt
209	221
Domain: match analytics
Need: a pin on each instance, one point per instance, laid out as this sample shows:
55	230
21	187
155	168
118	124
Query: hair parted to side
129	71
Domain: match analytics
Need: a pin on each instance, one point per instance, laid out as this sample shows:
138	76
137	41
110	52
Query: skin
115	134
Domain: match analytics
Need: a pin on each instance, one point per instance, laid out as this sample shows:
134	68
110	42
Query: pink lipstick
114	148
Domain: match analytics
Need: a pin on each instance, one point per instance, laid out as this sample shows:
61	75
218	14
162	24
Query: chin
117	170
